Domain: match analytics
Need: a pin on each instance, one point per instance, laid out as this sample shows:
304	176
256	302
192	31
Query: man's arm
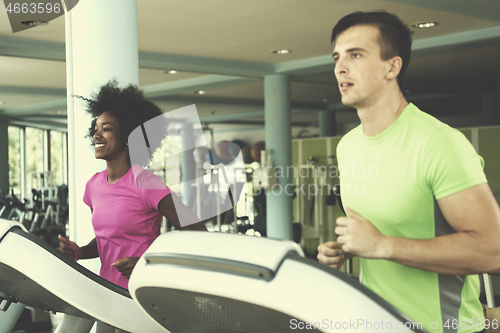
474	248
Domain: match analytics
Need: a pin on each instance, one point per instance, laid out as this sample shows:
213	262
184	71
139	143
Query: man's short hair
394	35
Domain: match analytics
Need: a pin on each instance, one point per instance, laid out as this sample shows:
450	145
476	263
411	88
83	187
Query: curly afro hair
127	104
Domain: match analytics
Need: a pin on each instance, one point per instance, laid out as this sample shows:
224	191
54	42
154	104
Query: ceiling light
281	51
199	92
34	23
1	102
424	25
172	71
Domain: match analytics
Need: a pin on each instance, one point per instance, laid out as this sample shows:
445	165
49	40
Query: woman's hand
126	265
69	248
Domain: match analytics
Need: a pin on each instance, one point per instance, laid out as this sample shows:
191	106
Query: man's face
360	72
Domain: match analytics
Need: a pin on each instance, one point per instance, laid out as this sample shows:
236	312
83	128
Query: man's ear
395	65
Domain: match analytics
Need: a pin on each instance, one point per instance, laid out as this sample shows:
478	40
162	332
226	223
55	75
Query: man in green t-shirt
421	215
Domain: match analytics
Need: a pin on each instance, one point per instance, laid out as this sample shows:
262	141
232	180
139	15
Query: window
14	160
56	158
34	158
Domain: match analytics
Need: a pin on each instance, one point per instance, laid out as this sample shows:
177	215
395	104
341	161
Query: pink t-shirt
125	216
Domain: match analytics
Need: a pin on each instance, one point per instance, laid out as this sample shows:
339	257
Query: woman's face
109	143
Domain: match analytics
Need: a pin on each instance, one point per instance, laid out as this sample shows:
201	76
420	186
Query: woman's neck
117	169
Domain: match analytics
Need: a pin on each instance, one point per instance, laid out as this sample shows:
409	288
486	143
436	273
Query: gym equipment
44	223
35	274
260	285
336	192
31	320
247	154
12	208
217	187
256	149
316	198
199	154
235	283
222	149
232	149
226	205
264	177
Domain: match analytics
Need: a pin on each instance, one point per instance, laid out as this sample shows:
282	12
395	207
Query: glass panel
56	158
14	160
34	158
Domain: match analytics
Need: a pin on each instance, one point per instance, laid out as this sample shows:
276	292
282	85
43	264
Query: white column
22	154
101	44
279	140
46	155
4	158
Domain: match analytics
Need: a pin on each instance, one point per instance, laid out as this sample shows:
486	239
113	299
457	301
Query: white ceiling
223	46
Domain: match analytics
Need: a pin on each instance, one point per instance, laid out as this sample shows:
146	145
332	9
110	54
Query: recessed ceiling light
424	25
34	23
172	71
1	102
281	51
199	92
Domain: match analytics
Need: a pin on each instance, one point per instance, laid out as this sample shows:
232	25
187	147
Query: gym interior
260	75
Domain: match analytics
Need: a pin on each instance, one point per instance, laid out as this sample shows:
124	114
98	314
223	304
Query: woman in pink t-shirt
126	213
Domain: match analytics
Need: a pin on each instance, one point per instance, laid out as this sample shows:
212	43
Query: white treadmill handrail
269	254
7	225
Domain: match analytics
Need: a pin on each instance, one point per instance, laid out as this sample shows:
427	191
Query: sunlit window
14	160
56	158
34	158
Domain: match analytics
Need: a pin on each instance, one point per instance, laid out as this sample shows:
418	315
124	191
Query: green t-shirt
394	180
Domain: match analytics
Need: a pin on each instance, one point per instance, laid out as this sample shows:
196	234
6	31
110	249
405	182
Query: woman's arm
176	212
75	252
170	210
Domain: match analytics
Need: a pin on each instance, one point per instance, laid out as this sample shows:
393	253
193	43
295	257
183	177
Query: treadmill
33	273
193	282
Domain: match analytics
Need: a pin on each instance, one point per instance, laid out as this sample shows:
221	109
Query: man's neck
378	117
